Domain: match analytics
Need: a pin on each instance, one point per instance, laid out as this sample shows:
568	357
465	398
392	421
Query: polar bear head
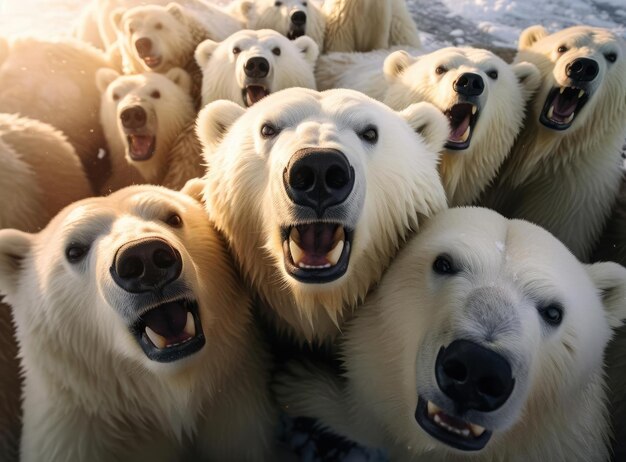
484	100
143	114
250	65
489	337
316	191
582	70
154	38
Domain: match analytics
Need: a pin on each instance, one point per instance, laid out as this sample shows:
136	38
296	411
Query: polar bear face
292	18
154	38
498	334
143	114
300	185
133	277
582	70
250	65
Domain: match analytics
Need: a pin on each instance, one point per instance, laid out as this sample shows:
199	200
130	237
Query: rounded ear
203	52
116	18
429	122
104	77
245	7
309	48
396	63
531	35
14	247
193	188
610	280
214	121
528	76
177	11
4	49
181	78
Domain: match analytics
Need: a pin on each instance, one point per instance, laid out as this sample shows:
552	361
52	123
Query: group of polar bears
176	195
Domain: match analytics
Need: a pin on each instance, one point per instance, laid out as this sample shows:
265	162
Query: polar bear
563	172
368	25
484	341
250	65
291	18
315	192
483	98
157	357
148	121
54	81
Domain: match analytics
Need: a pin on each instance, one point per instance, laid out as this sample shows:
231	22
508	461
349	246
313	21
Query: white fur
90	392
507	270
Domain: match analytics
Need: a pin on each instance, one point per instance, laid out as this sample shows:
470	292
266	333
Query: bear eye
115	97
174	220
158	26
552	313
156	94
75	252
276	51
441	70
493	74
131	30
443	265
268	131
304	4
370	135
610	57
236	50
278	4
562	49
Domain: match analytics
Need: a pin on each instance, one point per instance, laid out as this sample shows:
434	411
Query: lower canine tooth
465	135
190	327
155	338
474	109
570	118
581	93
334	255
562	90
551	112
477	430
296	252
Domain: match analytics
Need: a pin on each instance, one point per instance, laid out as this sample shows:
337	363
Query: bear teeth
466	135
190	327
570	118
157	340
334	255
474	109
551	112
435	413
477	430
433	409
296	252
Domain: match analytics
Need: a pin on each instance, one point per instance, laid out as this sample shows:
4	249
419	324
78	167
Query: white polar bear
483	98
483	342
291	18
135	334
250	65
368	25
563	172
148	120
315	192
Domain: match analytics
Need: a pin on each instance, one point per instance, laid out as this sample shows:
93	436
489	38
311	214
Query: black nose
257	67
298	18
582	70
469	84
134	117
473	376
144	46
318	178
146	265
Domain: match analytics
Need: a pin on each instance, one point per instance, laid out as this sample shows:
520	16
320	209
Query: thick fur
170	113
245	193
507	270
54	81
567	181
90	391
223	70
368	25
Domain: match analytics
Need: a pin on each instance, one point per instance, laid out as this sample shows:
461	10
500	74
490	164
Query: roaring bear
135	335
484	341
315	192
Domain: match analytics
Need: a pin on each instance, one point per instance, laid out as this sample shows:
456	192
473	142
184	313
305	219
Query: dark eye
131	30
443	265
276	51
441	70
278	4
562	49
175	221
236	50
610	57
370	135
493	74
304	4
116	96
552	314
268	131
76	252
158	26
156	94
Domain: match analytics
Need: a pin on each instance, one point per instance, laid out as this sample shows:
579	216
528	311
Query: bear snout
143	46
146	265
257	67
298	18
134	117
582	70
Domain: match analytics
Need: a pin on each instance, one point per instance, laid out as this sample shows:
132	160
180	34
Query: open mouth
448	429
316	252
295	32
253	94
170	331
151	61
562	106
462	118
141	147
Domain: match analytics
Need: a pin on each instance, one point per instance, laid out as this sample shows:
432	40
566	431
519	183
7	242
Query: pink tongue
564	106
140	145
255	93
457	133
168	321
316	241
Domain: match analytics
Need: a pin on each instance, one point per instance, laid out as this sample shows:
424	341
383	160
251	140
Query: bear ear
309	48
104	77
429	122
396	63
4	49
528	76
610	280
245	7
531	35
116	18
180	77
204	51
14	247
194	188
177	11
214	121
